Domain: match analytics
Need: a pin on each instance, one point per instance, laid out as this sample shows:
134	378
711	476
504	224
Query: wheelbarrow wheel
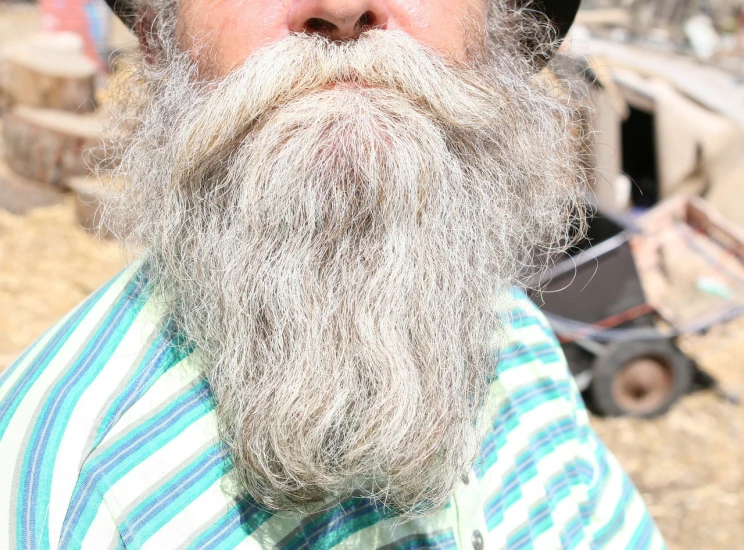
639	378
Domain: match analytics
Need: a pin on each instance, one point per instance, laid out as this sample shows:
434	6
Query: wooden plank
46	145
48	74
713	88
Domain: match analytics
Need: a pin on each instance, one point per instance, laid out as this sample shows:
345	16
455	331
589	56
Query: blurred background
652	322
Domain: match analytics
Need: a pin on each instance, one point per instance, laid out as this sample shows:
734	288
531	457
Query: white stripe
608	499
21	367
183	525
90	406
12	449
152	472
390	530
167	387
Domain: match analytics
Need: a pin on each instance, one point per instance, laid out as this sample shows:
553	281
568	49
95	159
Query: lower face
340	263
233	29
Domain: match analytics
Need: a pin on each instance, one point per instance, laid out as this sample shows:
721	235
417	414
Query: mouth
345	85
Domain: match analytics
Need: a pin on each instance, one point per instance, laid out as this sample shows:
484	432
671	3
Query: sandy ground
688	464
47	265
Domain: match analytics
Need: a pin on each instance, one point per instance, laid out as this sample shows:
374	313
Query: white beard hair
333	226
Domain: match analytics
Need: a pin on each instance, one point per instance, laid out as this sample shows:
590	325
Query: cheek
223	33
453	26
230	30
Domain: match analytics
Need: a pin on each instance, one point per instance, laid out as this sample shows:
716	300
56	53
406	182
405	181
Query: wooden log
47	145
49	73
18	195
89	195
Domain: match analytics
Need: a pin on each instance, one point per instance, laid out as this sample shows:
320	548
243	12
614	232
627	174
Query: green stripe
336	525
179	490
54	415
132	448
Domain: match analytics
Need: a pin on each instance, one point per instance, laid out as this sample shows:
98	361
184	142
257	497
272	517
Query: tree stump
47	145
18	195
89	195
50	74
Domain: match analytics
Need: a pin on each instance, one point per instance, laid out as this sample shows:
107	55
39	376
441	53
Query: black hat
561	12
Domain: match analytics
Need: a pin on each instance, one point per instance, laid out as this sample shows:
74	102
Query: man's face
334	198
237	28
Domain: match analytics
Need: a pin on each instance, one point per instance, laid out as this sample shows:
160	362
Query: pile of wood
49	123
646	15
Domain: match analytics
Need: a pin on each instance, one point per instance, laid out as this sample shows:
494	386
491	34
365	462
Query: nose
339	19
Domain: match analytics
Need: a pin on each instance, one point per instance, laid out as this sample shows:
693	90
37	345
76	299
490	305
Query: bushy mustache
449	92
332	225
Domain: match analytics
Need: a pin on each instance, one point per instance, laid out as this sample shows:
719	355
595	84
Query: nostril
337	24
366	21
316	24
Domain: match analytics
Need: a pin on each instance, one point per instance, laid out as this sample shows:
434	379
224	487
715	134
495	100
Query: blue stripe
518	355
596	490
36	473
616	522
572	533
239	522
540	518
508	421
162	355
643	534
520	319
521	401
558	488
132	448
510	491
45	356
530	311
441	541
170	498
519	540
336	525
541	444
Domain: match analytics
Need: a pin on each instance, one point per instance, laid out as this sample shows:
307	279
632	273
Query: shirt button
477	540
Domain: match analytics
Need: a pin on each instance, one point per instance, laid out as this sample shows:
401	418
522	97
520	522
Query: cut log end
47	145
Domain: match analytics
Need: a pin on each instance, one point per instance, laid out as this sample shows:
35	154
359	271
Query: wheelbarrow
619	305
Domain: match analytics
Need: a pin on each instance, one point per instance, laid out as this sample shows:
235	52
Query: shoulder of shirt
99	315
529	339
85	361
74	389
532	378
114	328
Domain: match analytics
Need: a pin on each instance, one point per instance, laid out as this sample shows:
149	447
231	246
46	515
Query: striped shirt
108	439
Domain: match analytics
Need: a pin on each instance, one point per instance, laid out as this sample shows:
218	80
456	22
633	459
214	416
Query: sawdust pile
689	464
48	264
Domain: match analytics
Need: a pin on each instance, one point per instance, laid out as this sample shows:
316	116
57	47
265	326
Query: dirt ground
689	464
47	266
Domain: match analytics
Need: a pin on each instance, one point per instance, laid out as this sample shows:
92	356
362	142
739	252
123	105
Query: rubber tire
618	354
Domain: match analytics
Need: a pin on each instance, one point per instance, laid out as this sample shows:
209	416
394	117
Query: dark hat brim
124	10
561	12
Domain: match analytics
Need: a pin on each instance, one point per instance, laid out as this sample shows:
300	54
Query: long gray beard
334	227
